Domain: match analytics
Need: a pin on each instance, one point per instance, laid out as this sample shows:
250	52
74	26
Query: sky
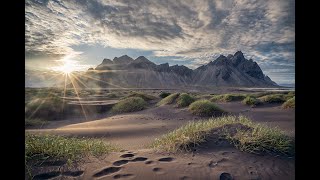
184	32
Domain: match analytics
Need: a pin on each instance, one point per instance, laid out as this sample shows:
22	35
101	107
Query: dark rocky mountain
233	70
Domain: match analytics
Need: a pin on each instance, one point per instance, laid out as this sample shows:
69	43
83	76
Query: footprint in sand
120	162
139	159
149	162
184	178
123	176
158	170
73	173
225	176
47	175
222	160
166	159
107	171
127	155
225	153
253	173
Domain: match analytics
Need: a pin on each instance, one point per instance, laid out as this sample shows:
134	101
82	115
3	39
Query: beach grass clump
184	100
47	107
251	101
112	95
290	103
129	104
164	94
227	97
169	99
34	122
70	149
273	98
290	95
239	131
205	108
216	98
146	97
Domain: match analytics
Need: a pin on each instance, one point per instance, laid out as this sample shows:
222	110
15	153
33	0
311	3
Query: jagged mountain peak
142	59
239	54
125	59
229	56
106	61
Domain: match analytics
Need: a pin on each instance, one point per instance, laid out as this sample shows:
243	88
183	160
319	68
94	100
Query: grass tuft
273	98
205	108
227	97
34	122
144	96
48	107
169	99
164	94
112	95
41	147
290	95
251	101
130	104
184	100
290	103
250	137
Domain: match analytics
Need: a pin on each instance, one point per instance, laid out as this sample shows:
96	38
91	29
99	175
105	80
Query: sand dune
133	132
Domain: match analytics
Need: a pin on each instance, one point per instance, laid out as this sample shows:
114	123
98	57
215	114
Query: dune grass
251	101
112	95
205	108
41	147
184	100
169	99
34	122
290	95
129	104
255	139
290	103
48	107
164	94
227	97
273	98
144	96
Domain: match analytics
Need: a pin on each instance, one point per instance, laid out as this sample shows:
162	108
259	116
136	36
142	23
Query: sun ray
36	110
103	81
76	78
75	89
64	91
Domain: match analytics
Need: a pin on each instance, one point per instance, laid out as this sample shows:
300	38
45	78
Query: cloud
194	30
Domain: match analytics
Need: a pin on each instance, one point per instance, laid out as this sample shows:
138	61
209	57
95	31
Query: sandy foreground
133	133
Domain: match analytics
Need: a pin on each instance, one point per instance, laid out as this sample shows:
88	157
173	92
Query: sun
66	67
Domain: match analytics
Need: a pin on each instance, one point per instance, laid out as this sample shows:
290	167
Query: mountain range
229	71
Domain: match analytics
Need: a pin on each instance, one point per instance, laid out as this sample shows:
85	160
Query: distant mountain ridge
233	70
